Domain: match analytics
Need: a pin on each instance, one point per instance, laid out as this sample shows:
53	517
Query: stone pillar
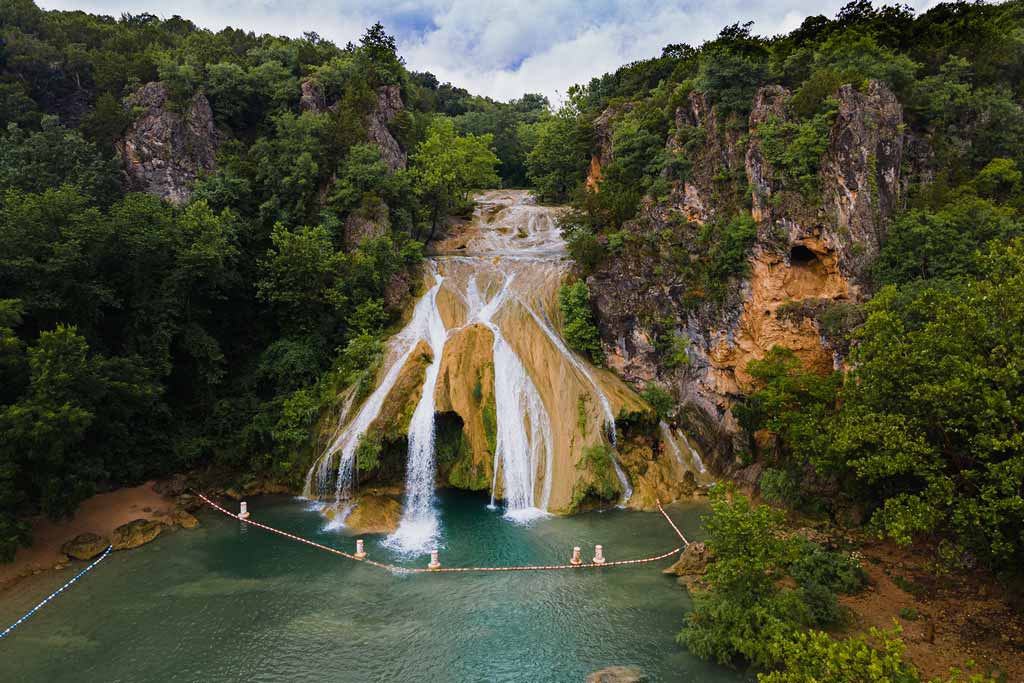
360	551
576	556
598	554
243	511
434	562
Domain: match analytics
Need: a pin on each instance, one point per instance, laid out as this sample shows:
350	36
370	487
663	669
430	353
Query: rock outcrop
135	533
163	150
85	546
616	674
389	105
809	253
374	514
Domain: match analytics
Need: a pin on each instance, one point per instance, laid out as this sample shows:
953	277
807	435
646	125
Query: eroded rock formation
809	252
164	150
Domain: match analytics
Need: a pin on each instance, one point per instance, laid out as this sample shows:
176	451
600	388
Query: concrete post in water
434	562
576	556
360	551
243	512
598	554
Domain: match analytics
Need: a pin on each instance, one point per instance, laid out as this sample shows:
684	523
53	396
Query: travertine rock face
164	151
809	250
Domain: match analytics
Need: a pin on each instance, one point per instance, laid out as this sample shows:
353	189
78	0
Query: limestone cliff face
808	251
387	106
164	151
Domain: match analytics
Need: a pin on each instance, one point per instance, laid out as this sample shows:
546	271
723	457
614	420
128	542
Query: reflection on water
219	604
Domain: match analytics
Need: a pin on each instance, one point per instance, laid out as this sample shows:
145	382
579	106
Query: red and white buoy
243	510
576	560
434	562
598	554
360	551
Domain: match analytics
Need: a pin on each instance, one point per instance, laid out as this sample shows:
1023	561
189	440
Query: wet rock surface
616	674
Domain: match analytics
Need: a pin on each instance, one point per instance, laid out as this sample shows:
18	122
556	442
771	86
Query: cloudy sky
500	48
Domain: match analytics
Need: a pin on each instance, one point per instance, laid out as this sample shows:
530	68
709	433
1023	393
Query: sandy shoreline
100	514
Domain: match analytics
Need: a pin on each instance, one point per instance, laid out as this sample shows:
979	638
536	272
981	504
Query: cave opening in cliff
801	256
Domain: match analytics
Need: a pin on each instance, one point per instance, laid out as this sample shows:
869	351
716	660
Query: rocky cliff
387	105
164	151
810	253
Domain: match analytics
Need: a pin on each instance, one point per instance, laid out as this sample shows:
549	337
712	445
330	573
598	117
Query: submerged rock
374	514
616	674
135	533
85	546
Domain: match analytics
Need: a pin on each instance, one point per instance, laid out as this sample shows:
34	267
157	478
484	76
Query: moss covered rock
135	533
85	546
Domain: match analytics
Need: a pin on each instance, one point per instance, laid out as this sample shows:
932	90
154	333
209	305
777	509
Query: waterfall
518	450
418	529
344	445
609	417
696	465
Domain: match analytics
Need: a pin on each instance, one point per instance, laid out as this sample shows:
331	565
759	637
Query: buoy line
57	592
435	568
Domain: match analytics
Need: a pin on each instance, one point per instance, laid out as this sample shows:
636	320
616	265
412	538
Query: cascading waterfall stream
500	272
418	530
518	451
344	445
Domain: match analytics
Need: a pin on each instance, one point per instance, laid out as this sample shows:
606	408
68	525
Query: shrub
580	330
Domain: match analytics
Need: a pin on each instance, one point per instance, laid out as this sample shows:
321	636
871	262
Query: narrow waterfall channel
534	405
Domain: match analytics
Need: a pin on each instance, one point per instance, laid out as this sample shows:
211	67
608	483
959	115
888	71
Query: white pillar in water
243	511
598	554
434	562
576	556
360	551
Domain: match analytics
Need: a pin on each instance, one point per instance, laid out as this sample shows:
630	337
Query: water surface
227	602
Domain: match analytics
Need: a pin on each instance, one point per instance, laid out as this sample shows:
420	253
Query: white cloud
495	47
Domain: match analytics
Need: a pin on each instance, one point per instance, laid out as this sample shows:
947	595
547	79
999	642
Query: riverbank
100	515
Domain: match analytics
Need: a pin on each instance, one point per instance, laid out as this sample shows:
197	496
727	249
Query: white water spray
418	530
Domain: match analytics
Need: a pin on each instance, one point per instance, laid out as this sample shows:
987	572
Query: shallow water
227	602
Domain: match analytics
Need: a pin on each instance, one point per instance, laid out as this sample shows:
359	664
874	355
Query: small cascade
694	463
418	530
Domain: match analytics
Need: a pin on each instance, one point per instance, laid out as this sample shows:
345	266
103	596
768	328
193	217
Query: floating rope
440	570
57	592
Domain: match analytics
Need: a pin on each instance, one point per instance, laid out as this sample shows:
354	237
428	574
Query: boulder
693	561
85	546
135	533
184	519
616	674
175	486
374	514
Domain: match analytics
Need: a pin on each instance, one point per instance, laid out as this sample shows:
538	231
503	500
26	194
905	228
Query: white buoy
598	554
360	551
243	512
576	556
434	562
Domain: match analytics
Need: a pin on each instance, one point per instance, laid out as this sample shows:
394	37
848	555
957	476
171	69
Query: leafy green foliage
795	149
579	328
659	399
